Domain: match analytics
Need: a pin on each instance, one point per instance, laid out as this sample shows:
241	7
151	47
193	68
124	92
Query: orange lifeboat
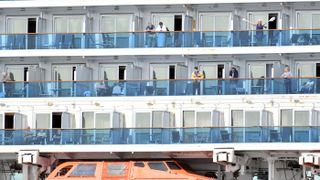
127	170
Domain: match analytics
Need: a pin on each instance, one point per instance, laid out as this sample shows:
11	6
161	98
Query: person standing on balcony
7	87
259	32
162	30
287	81
233	75
150	35
196	76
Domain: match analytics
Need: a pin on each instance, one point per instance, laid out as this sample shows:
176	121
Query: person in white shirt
161	27
162	30
287	81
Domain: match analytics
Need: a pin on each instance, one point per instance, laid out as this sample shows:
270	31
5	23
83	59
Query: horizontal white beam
160	51
246	100
249	147
75	3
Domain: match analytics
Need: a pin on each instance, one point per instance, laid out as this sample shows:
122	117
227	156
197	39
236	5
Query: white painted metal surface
59	3
160	51
147	148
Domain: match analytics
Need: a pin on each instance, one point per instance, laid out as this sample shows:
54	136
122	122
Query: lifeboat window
139	164
116	169
84	170
157	166
64	171
173	165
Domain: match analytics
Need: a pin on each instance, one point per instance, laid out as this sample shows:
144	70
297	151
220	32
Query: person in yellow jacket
196	76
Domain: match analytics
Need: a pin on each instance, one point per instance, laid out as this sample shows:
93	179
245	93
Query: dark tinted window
139	164
173	165
84	170
157	166
116	169
64	171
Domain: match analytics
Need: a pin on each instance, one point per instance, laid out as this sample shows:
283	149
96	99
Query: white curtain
286	117
142	120
203	119
188	119
103	120
237	118
87	120
43	121
17	25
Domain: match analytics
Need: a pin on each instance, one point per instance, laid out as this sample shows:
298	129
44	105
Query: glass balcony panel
142	136
253	134
301	134
25	89
237	135
169	39
159	135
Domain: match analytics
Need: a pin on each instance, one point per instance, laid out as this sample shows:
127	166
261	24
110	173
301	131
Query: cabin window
308	20
102	120
237	118
197	119
69	24
84	170
17	25
203	119
240	118
139	164
173	165
188	119
157	166
286	117
157	119
214	21
88	120
252	118
291	117
143	120
301	118
63	171
116	23
95	120
43	121
116	169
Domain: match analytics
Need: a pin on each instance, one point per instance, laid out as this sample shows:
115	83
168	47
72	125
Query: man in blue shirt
150	35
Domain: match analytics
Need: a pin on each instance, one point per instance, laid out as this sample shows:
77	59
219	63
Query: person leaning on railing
161	40
196	76
151	35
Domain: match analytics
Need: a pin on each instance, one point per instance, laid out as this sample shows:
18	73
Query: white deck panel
75	3
163	148
160	51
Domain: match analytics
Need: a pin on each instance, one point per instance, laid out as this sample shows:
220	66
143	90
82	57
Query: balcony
207	39
161	135
24	89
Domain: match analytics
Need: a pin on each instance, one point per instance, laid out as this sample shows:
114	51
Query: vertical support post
219	172
30	171
304	172
271	162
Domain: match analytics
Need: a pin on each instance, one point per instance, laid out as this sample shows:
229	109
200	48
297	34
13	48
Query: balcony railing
161	135
15	89
291	37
